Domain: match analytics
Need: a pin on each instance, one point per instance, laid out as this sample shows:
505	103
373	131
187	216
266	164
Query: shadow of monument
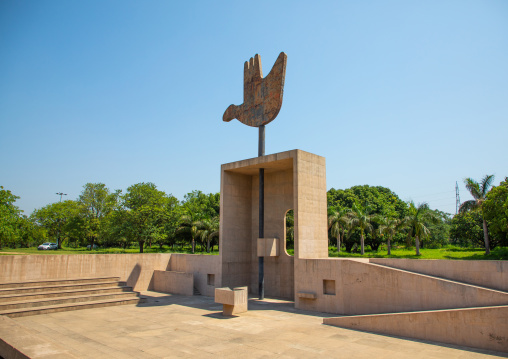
214	310
208	304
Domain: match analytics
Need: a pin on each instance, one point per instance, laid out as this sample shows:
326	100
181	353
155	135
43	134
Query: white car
47	246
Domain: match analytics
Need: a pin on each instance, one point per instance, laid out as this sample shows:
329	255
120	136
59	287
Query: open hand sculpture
262	97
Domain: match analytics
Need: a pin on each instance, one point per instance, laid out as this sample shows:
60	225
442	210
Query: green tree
143	217
207	205
9	218
496	211
96	202
190	223
119	231
56	218
466	229
362	220
208	229
337	220
388	227
30	234
479	192
416	221
379	200
439	230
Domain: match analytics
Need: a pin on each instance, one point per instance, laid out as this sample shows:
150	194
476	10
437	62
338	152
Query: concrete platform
173	326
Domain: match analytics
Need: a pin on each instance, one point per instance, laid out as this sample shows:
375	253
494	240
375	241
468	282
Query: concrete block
268	247
233	301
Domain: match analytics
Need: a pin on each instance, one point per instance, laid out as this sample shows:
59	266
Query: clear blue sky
410	95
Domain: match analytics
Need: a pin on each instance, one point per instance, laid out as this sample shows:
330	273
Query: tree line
375	215
143	215
360	216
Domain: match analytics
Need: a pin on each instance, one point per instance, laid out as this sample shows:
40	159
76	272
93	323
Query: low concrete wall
361	288
490	274
485	328
206	270
135	269
173	282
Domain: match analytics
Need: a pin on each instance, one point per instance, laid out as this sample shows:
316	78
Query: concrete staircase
51	296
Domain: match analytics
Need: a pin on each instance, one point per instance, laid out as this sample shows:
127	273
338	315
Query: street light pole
58	236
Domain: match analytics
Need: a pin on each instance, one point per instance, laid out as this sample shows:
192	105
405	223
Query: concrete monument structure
262	100
456	302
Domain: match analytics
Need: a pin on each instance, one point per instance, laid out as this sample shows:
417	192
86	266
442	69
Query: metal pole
261	260
261	144
58	236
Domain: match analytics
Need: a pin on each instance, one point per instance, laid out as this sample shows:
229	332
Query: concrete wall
135	269
201	266
363	288
485	328
293	180
279	199
311	223
490	274
235	228
173	282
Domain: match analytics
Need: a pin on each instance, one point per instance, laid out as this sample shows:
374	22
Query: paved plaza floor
173	326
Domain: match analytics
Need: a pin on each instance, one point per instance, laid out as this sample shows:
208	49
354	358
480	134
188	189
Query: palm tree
388	226
208	229
337	220
360	219
415	221
190	223
479	192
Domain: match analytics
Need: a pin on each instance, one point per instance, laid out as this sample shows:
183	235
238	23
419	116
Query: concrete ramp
366	288
485	328
485	273
19	342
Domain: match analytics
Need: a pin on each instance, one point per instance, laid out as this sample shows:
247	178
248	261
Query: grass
449	252
114	250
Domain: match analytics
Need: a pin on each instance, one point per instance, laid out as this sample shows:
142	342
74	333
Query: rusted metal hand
262	97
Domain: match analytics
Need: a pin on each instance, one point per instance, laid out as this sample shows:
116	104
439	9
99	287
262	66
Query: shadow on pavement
152	299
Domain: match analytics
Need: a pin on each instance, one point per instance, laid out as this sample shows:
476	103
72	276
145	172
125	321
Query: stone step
13	313
57	282
196	291
70	299
64	293
57	287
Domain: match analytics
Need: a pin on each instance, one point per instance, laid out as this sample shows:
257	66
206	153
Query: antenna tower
457	198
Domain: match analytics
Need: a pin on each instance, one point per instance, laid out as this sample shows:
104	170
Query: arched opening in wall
289	232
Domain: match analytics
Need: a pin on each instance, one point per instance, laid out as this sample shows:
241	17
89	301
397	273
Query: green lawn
83	250
449	252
